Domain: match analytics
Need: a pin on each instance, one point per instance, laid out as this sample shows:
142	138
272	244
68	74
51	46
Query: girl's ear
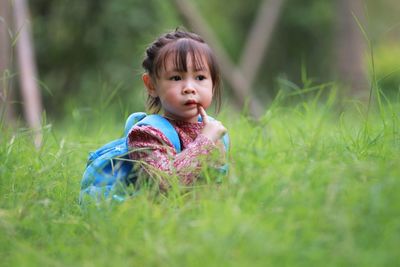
148	82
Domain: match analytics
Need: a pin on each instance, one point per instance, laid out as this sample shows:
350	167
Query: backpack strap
162	124
132	120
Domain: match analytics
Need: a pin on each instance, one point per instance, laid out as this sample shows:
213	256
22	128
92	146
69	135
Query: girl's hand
212	129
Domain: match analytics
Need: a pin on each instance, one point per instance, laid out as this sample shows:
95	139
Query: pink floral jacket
156	153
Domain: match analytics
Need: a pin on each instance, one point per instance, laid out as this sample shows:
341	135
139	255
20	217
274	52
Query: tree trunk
259	38
6	109
351	47
27	70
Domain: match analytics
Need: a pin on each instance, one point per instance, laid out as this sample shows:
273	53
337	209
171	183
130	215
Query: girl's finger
203	114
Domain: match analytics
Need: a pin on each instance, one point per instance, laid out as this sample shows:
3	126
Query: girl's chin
183	117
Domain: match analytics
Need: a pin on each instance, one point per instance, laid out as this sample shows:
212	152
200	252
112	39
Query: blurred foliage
87	49
387	69
91	51
303	39
384	32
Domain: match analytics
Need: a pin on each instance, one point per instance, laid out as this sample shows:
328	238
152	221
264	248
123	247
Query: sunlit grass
310	184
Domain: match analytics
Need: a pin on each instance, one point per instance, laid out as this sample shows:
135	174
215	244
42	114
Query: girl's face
181	92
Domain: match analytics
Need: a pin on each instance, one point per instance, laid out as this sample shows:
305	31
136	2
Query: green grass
309	185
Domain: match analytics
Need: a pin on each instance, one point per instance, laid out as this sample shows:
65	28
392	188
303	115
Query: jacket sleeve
158	158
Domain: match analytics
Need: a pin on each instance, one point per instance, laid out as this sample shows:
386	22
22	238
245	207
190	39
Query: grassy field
310	184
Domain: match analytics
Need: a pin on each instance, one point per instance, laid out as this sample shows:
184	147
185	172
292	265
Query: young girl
182	78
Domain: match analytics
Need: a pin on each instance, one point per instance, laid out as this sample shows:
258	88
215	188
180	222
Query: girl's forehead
193	61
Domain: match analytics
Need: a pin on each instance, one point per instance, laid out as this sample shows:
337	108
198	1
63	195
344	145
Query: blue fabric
132	120
109	168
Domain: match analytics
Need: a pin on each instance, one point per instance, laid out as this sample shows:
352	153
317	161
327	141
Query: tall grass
309	185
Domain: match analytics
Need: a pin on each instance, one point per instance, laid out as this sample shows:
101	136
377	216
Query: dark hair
180	43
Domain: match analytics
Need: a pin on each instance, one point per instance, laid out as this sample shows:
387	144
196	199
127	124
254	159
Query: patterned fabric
156	153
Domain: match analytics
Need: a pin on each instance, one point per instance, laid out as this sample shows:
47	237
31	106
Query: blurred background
88	53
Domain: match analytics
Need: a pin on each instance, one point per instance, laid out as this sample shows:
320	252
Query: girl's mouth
190	102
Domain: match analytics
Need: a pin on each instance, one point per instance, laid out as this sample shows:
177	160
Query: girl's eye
175	78
201	77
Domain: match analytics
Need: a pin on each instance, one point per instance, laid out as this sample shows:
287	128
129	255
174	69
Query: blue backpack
109	169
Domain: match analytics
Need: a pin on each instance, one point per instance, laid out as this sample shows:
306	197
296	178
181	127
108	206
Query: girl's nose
189	89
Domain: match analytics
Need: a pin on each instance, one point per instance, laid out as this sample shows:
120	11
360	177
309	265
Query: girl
182	78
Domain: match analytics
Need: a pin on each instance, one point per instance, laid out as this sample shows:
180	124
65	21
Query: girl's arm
156	153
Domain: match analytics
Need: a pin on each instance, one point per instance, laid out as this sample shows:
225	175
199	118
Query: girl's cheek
206	102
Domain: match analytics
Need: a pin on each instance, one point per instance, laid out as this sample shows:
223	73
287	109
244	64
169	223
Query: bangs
179	51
